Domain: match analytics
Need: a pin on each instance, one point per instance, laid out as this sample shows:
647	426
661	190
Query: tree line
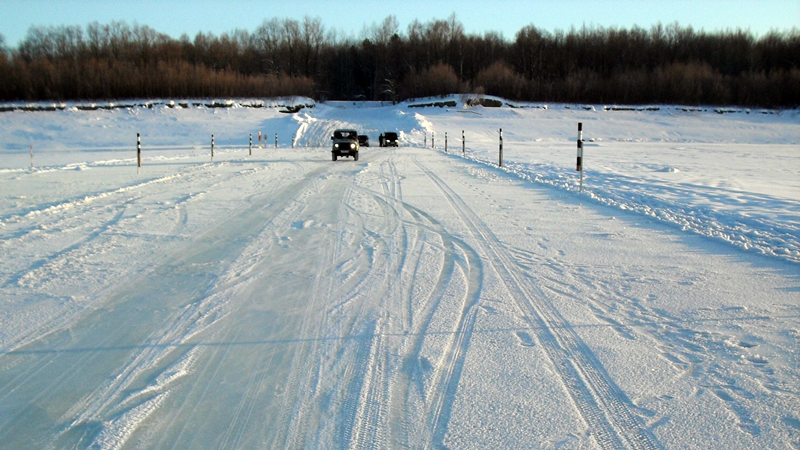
282	57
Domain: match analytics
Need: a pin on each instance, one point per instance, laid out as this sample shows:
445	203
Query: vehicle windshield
345	134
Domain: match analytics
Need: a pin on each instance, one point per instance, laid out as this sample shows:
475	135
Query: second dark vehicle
388	139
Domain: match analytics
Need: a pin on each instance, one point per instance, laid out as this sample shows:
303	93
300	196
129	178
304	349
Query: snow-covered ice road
412	299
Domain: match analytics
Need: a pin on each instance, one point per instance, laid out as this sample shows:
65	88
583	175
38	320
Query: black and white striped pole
463	144
251	144
579	167
433	139
425	142
445	141
276	140
138	152
212	147
501	147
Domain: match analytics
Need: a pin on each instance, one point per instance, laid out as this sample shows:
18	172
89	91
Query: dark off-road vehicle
363	140
345	143
388	139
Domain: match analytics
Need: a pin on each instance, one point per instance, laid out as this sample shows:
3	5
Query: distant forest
285	57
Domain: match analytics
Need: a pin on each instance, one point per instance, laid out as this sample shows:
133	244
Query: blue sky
175	17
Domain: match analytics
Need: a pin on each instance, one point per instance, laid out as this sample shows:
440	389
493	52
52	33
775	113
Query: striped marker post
212	147
138	152
579	167
251	144
501	147
463	144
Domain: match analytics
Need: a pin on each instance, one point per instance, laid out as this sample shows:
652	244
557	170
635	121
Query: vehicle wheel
334	156
355	157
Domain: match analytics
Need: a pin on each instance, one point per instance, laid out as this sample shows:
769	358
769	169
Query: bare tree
313	38
382	34
267	39
290	41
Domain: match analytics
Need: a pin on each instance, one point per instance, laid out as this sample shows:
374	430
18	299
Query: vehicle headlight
335	145
352	145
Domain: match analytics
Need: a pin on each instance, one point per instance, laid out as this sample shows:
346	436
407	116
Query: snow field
412	299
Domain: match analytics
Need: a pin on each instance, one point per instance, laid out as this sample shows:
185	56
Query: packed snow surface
421	297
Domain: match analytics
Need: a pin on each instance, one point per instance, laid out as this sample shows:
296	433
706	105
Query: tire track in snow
381	412
382	415
370	255
303	376
459	258
392	196
459	261
357	336
601	403
369	422
404	280
366	409
455	354
14	279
